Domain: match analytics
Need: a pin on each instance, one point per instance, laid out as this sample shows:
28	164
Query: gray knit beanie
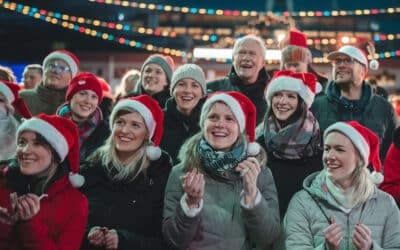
165	62
191	71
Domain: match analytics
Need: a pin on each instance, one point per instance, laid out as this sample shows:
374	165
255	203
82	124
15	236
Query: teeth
219	134
126	139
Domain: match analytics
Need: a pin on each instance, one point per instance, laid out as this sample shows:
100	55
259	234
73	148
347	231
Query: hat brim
335	54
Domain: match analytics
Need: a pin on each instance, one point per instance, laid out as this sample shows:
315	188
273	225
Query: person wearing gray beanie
155	79
182	110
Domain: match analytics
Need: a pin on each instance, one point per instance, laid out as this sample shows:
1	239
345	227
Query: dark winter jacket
160	97
290	174
42	99
255	92
60	222
178	127
95	140
132	208
371	110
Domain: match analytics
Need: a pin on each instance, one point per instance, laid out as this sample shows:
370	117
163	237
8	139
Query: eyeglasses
58	68
345	60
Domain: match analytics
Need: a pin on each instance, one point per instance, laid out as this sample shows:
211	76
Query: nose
282	99
25	149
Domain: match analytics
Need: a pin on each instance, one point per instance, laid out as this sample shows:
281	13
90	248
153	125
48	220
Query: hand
333	235
249	170
111	239
28	206
362	237
5	216
96	236
193	186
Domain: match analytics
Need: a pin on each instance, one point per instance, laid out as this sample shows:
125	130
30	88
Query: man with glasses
349	97
58	69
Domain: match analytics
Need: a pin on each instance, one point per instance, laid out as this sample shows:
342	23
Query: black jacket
95	140
133	208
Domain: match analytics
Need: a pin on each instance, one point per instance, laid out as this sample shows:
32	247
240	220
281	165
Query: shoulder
27	92
217	84
162	166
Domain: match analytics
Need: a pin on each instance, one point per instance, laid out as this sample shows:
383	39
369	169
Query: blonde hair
117	170
363	185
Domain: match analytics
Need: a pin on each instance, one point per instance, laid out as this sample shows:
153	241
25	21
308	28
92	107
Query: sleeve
388	136
391	182
297	233
391	233
178	228
72	233
262	221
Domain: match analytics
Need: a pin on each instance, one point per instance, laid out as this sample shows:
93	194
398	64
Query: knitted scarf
221	165
298	140
86	127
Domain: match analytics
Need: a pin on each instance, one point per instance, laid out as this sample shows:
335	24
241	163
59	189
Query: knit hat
244	111
153	116
10	91
294	48
366	142
165	62
66	56
192	71
355	53
304	84
62	134
84	81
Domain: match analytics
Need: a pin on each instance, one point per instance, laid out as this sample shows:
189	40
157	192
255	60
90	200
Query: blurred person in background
7	74
32	76
58	69
127	84
182	110
155	78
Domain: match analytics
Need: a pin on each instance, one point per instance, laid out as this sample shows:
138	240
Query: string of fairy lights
247	13
78	24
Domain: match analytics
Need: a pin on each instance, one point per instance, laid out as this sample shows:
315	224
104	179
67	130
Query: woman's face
154	78
221	127
129	134
33	157
284	104
340	158
83	104
187	93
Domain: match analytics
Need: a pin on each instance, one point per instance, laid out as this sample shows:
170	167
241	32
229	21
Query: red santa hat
62	134
66	56
84	81
10	91
244	111
366	142
357	54
304	84
105	86
153	117
294	48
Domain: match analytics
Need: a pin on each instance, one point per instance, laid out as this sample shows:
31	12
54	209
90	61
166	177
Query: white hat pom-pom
253	148
76	180
154	153
377	177
374	64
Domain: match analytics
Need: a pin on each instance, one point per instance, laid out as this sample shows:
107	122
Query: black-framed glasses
343	60
58	68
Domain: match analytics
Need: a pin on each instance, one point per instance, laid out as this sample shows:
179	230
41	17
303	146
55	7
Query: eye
94	97
180	84
21	142
195	85
212	117
230	118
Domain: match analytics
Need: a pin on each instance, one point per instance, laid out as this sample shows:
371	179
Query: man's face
347	71
248	61
57	74
32	77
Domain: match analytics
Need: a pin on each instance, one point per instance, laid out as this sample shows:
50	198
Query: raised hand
96	236
362	237
249	170
333	235
28	205
193	186
111	239
5	216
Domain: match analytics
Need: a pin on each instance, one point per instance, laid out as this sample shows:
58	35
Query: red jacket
391	183
60	223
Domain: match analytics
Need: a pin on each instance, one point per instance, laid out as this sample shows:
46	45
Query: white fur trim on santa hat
7	92
357	139
141	108
62	56
50	133
234	106
290	84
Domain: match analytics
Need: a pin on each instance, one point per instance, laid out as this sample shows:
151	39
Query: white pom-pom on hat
374	64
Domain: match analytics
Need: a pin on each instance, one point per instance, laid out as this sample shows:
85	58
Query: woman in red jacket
40	207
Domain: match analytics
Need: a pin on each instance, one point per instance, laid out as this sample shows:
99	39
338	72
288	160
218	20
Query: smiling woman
83	97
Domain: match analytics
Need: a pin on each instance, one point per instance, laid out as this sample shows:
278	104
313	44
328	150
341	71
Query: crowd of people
248	161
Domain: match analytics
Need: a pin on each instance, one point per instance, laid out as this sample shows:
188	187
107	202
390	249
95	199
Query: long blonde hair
363	184
117	170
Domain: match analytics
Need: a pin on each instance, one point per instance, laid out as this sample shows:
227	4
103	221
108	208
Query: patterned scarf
221	165
298	140
86	127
